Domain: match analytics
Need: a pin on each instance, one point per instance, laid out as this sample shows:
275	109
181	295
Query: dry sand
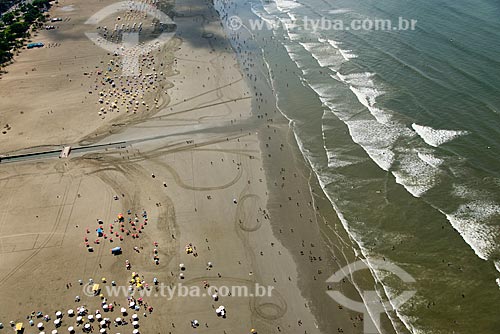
204	149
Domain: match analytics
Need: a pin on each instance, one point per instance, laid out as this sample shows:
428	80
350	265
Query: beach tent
35	45
96	289
99	232
19	327
116	250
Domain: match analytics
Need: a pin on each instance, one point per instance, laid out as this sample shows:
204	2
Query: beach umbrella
57	322
182	266
90	317
135	331
103	323
79	319
103	330
87	326
105	307
40	325
71	329
118	320
135	324
71	312
123	310
98	316
54	331
135	316
132	304
58	314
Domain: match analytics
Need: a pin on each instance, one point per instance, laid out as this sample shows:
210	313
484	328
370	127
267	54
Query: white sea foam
464	192
416	175
324	54
336	160
497	265
339	11
362	85
293	51
324	91
266	17
291	16
470	221
286	5
376	139
346	54
430	159
293	36
435	137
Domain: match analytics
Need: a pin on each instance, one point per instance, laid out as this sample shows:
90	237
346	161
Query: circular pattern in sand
270	308
247	217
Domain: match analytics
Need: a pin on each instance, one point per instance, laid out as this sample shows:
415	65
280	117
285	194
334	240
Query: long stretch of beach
205	189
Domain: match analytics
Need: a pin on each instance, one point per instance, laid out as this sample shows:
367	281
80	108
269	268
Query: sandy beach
212	195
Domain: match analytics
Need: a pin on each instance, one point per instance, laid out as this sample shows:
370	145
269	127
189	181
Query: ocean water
402	128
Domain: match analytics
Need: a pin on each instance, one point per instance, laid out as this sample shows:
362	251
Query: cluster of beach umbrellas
126	93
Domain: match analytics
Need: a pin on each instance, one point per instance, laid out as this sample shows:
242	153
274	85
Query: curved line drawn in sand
240	213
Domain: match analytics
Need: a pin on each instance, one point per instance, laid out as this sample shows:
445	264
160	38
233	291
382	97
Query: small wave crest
436	137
